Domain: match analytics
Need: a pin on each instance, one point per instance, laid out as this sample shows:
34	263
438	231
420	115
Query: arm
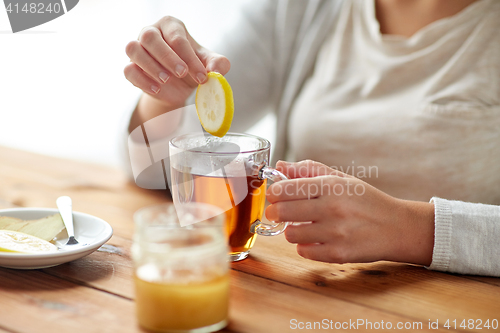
354	222
249	46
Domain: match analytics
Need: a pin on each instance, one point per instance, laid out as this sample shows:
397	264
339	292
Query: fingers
176	36
138	78
307	168
322	252
143	59
305	233
293	211
304	188
152	41
165	51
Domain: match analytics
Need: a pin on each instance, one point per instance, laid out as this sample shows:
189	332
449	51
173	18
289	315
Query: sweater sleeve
466	238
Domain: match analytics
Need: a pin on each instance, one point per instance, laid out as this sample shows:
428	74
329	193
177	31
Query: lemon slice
14	241
215	105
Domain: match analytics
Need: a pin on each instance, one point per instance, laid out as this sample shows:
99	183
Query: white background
62	88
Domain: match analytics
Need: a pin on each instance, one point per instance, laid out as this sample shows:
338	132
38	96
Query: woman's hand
344	219
167	63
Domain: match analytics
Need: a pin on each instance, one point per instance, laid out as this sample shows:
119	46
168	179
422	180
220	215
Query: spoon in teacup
65	207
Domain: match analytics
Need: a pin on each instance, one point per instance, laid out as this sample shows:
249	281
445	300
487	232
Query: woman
408	89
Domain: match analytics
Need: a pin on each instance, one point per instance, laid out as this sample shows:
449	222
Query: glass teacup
231	173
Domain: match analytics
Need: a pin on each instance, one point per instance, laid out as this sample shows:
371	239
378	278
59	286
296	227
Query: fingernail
163	77
180	70
201	77
155	89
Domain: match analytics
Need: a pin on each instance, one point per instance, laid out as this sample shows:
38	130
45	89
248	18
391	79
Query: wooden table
274	290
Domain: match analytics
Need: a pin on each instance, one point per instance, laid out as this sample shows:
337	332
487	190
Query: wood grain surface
274	290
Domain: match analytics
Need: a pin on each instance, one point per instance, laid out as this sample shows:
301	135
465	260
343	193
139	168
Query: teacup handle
262	228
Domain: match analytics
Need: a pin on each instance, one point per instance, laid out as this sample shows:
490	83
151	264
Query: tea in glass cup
231	173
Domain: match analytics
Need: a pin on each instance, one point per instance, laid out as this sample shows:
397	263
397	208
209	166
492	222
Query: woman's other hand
343	219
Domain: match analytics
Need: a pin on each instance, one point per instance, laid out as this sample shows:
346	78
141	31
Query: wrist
154	103
148	108
416	239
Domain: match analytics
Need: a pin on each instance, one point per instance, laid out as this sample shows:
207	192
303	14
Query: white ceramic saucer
90	231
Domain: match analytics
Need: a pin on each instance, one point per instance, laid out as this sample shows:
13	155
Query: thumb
306	169
213	62
217	63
